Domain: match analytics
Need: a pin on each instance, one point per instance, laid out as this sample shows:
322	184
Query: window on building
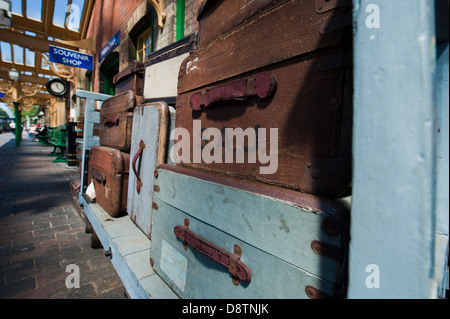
5	51
59	13
16	7
30	58
18	54
143	45
34	9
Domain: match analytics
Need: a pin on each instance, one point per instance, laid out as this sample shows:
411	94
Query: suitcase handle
111	120
261	85
138	154
99	177
236	267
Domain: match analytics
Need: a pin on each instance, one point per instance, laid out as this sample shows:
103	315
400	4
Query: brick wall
191	13
167	35
110	16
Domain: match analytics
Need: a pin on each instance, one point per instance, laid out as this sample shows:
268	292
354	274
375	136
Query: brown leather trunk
109	170
131	78
116	121
216	17
287	68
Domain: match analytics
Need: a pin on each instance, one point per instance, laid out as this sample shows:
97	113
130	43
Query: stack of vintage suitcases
109	163
258	219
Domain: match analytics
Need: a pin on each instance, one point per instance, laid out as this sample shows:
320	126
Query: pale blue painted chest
291	244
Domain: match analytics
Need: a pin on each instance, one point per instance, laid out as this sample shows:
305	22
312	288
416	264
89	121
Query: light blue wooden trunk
275	236
151	124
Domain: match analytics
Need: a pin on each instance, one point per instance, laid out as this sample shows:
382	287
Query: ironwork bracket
159	7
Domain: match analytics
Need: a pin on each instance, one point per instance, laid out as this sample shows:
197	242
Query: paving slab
42	234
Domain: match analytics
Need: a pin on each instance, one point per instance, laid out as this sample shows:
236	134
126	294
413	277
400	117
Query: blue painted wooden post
442	166
393	206
91	117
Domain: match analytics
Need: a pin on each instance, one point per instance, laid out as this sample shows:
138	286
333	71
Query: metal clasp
233	267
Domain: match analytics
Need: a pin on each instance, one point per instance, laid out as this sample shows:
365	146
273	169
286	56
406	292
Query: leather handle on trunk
261	85
111	120
138	154
99	177
238	270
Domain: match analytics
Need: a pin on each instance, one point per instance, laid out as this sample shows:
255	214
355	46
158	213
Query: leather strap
99	177
236	267
133	165
261	85
111	120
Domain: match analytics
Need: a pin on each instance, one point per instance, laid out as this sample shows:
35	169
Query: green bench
57	138
43	139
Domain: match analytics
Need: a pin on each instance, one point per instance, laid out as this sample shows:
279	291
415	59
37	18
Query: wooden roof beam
86	17
24	68
25	78
48	9
30	42
40	27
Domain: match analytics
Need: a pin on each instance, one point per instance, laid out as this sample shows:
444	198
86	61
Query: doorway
108	69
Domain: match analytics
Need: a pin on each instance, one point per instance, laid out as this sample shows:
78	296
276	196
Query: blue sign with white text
71	58
111	45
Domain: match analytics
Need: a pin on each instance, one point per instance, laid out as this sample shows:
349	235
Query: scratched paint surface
275	238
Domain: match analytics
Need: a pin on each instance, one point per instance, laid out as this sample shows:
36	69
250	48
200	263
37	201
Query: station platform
42	231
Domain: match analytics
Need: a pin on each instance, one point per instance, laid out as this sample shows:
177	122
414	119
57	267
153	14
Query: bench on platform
57	138
43	139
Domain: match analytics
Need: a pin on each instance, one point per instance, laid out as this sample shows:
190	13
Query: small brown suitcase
116	121
288	69
109	170
131	78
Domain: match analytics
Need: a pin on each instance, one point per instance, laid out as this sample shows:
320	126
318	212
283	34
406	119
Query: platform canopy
24	44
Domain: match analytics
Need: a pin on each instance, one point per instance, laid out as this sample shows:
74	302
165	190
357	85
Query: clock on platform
57	87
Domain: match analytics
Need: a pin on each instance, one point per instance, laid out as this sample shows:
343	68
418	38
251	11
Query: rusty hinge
233	267
315	293
331	226
327	250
